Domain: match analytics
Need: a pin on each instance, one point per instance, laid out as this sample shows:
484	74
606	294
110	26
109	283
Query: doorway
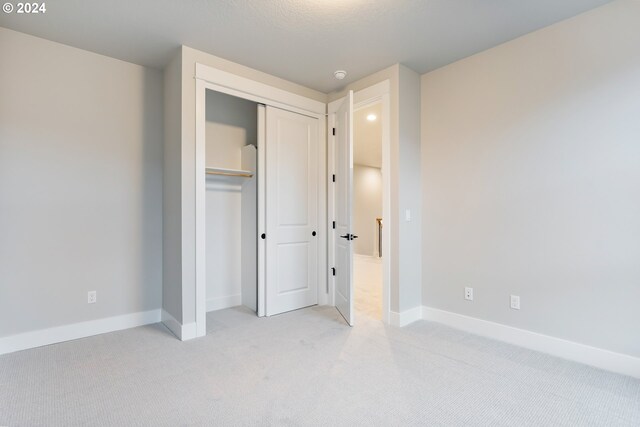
341	114
367	210
310	121
231	134
240	135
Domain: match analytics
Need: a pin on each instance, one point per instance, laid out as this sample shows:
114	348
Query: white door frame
242	87
371	95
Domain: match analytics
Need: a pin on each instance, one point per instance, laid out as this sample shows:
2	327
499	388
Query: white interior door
291	202
343	208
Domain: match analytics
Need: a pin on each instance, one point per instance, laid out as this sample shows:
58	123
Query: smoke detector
340	74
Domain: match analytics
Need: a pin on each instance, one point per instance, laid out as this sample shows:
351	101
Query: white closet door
291	172
343	209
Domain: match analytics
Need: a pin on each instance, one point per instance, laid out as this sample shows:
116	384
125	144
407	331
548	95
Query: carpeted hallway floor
306	368
367	281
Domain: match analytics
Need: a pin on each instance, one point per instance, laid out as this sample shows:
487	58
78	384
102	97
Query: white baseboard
219	303
406	317
172	324
592	356
182	332
189	331
75	331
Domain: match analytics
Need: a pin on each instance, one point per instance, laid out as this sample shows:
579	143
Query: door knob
353	236
263	236
346	236
313	233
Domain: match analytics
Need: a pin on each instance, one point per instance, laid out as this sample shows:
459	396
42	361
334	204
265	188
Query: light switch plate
515	302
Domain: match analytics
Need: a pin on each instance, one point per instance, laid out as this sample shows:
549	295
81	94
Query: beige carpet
306	368
367	281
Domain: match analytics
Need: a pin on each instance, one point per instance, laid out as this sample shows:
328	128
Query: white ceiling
367	137
300	40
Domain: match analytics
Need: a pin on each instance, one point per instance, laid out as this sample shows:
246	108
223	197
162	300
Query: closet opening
231	140
260	211
368	224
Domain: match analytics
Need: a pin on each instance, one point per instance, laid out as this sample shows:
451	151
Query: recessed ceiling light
372	117
340	74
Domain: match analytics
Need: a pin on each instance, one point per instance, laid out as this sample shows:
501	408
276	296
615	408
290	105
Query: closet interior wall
231	139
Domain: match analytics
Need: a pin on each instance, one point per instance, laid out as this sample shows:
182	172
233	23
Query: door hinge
334	225
333	271
334	131
333	178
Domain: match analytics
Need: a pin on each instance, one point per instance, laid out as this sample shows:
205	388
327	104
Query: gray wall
80	185
172	189
409	190
367	206
531	181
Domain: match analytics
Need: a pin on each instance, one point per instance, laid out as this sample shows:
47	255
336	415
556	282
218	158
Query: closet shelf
229	172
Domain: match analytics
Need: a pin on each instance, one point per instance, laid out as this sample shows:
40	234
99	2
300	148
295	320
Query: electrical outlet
515	302
92	297
468	294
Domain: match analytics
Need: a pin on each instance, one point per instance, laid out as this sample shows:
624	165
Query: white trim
172	324
220	303
371	94
386	205
182	332
406	317
76	331
323	217
262	223
252	90
597	357
189	331
200	217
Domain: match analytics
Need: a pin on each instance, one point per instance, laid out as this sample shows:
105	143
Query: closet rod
229	173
